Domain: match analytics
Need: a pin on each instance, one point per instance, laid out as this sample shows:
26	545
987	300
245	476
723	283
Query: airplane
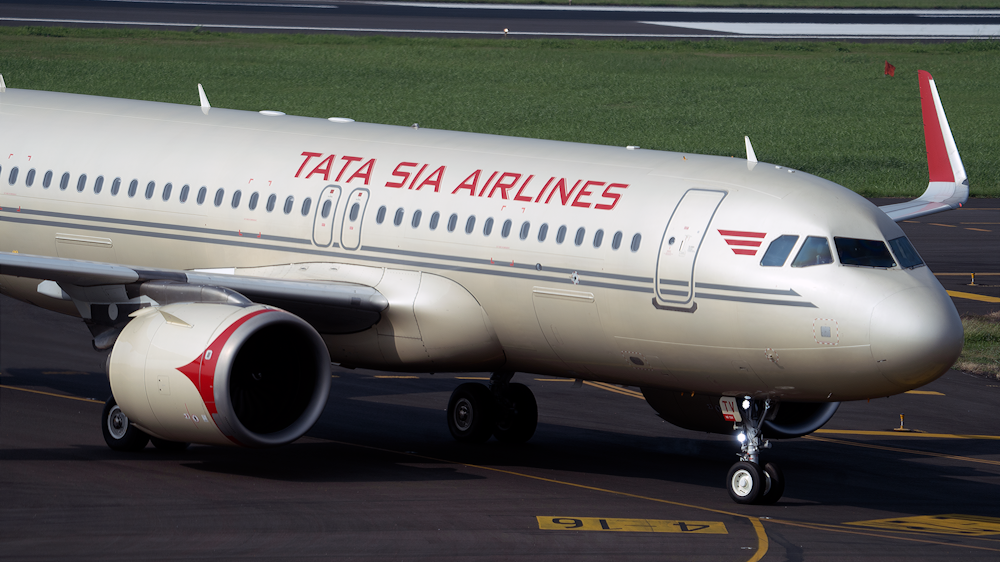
226	258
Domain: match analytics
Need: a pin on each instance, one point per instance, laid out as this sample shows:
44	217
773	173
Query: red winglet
937	153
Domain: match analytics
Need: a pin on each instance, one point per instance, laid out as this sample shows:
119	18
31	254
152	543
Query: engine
702	412
253	376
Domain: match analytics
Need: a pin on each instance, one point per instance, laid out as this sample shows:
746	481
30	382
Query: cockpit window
814	251
905	253
864	253
778	251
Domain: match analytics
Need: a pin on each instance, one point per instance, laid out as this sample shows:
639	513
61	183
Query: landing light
741	437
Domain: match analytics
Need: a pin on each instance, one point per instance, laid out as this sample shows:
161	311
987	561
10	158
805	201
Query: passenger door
680	245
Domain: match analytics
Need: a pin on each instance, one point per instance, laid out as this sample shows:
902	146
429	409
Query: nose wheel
748	482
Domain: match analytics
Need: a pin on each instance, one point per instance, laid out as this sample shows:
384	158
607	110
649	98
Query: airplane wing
949	185
330	307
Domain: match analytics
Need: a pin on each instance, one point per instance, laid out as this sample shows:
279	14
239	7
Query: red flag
889	69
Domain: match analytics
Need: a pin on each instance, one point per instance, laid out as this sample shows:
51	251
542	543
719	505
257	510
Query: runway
506	20
380	478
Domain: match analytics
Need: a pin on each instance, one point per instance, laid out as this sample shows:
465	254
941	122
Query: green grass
981	354
824	108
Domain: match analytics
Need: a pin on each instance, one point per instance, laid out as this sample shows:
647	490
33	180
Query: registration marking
951	524
548	523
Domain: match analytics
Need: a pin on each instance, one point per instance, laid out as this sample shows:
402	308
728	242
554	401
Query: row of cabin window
505	229
133	188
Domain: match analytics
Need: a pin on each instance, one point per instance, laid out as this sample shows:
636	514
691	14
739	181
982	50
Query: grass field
981	353
824	108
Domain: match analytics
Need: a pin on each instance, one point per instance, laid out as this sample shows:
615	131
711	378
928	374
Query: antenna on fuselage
3	85
205	106
751	155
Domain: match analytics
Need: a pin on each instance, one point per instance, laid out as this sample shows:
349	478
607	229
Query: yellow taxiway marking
925	392
396	377
91	400
616	389
973	296
977	229
939	224
905	434
547	523
762	541
951	524
473	378
979	223
554	380
900	450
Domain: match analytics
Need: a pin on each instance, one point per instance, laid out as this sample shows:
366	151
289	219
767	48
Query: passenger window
64	181
254	197
220	194
543	231
116	186
81	183
561	234
415	222
271	200
598	238
202	193
777	252
398	220
863	253
355	209
185	190
288	204
488	226
435	217
133	186
30	178
580	233
380	215
636	240
505	230
616	240
166	191
814	251
452	222
98	184
13	176
306	205
525	229
150	188
905	253
47	179
323	212
237	195
470	224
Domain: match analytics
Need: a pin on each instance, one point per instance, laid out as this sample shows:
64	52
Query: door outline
350	230
322	235
669	291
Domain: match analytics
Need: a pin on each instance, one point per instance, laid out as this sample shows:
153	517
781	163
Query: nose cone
916	336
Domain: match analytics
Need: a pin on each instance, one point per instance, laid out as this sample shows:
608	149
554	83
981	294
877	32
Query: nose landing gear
747	482
503	410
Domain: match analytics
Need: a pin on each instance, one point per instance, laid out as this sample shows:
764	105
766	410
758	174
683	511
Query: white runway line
874	30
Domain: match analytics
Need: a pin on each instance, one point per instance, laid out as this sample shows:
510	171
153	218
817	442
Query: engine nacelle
702	412
220	374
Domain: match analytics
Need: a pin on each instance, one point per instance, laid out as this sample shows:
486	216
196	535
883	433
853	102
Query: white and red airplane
227	257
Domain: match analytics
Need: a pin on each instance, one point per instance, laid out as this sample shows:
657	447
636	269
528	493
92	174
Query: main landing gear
504	410
747	482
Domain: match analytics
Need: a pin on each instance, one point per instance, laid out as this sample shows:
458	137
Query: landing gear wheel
517	415
119	434
774	485
471	413
168	446
745	482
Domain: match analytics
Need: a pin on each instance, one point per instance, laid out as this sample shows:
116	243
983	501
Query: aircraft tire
745	482
119	434
774	485
168	446
471	413
518	423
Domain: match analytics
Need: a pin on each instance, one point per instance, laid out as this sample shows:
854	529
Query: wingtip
203	98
